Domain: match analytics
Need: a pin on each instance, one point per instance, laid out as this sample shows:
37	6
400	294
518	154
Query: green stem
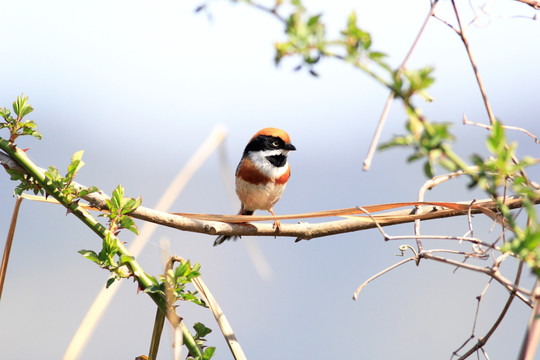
142	278
20	157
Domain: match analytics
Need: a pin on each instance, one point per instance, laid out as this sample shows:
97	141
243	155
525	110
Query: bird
262	173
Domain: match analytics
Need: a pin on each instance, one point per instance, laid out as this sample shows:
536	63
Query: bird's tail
222	238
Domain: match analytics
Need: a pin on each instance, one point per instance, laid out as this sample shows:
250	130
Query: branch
218	225
533	3
306	230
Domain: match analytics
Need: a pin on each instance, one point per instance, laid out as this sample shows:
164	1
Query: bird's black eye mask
264	142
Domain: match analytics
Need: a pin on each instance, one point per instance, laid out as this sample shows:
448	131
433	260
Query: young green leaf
90	255
75	165
209	352
201	330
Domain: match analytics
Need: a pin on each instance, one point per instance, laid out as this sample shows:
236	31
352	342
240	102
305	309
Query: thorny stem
136	270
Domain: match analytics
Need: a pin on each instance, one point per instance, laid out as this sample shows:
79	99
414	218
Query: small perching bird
262	174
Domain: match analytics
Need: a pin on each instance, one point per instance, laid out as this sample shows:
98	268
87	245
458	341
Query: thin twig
443	237
508	127
523	294
270	10
472	336
483	340
382	120
465	41
355	295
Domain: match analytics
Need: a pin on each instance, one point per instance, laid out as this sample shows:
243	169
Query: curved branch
307	231
218	225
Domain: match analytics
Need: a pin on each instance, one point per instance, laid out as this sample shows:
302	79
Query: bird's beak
290	147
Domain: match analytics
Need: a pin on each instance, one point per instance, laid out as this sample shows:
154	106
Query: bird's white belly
258	197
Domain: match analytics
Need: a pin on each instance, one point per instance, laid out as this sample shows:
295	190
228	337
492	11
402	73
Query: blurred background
140	85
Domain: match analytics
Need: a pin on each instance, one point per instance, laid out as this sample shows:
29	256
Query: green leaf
125	259
5	113
201	330
128	223
90	255
20	107
37	135
75	165
116	199
130	204
110	281
313	20
84	192
183	269
196	268
208	353
428	169
495	142
54	175
155	289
